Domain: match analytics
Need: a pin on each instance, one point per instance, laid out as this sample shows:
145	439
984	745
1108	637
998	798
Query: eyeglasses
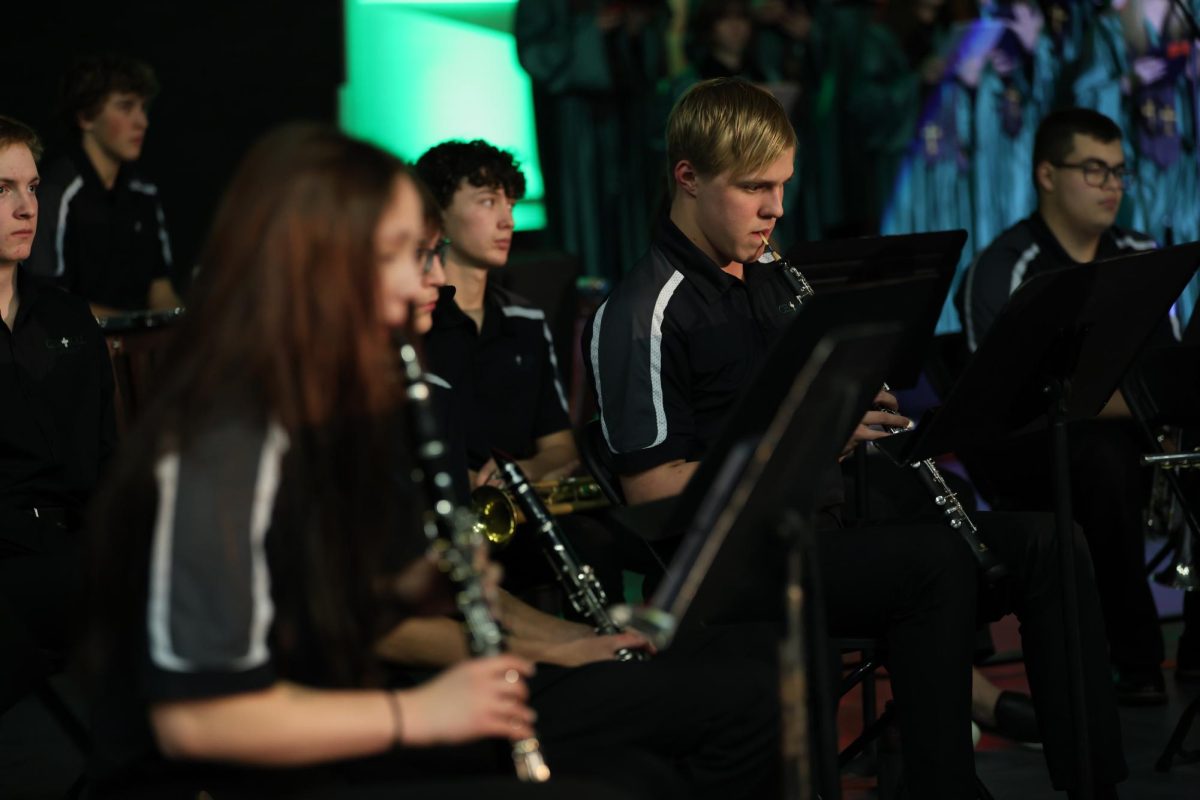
1096	172
427	254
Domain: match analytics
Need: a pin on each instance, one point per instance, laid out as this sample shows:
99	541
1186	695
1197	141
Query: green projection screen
419	72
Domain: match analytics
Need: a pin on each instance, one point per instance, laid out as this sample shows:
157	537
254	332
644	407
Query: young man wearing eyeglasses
1081	175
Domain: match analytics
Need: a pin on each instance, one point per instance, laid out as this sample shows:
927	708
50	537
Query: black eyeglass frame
1094	166
426	255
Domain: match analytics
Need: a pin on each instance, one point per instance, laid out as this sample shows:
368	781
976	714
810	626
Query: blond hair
14	132
727	124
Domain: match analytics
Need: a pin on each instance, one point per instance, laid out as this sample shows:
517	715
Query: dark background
228	72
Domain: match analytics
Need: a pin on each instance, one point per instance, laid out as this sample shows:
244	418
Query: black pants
526	566
706	705
335	783
41	581
1107	496
464	789
917	587
608	730
700	720
40	613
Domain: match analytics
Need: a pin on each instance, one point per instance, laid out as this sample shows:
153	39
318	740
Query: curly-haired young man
494	346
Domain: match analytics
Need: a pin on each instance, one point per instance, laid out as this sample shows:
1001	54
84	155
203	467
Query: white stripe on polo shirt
595	355
656	395
158	610
60	235
1022	266
1129	243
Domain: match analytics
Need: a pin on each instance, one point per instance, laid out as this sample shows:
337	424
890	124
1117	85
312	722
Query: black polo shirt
107	245
447	417
56	399
1026	249
504	378
674	345
219	564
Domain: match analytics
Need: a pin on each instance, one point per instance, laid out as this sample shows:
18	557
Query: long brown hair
284	323
285	298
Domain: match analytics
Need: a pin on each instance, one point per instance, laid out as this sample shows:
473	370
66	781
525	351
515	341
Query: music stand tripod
745	555
1174	747
1056	353
1151	397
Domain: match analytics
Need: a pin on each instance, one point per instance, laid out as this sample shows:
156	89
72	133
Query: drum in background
136	342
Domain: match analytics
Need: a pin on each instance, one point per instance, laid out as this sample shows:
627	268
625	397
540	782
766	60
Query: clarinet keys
529	763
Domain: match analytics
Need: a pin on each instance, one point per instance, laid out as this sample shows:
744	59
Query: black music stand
1056	353
894	280
900	280
747	551
778	466
898	265
1191	333
1165	389
905	290
911	275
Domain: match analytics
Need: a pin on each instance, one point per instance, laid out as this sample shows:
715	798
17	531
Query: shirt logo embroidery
65	343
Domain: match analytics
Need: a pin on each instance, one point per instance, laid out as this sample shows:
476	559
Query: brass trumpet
499	515
1184	573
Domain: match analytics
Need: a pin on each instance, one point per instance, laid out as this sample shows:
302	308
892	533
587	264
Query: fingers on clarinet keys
657	627
512	681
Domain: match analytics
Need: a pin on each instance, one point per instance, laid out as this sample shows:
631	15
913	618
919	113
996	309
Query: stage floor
1011	771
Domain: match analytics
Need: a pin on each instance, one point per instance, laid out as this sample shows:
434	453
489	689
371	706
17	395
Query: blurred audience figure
595	65
104	236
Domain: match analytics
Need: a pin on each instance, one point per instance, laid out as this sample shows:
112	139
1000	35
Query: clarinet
454	540
578	580
927	472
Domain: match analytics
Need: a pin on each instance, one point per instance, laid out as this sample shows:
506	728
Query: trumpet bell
498	514
1180	575
496	518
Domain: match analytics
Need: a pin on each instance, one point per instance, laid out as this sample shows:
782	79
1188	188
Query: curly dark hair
92	78
444	166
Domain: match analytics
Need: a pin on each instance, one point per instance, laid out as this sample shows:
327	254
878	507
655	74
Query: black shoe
1016	719
1140	687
